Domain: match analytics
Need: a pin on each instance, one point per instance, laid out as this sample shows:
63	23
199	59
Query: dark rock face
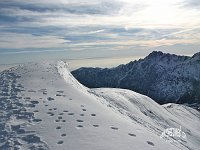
163	77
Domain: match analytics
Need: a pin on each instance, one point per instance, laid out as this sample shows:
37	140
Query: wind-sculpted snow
63	71
44	107
163	77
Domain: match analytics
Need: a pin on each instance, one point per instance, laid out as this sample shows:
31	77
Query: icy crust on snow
44	107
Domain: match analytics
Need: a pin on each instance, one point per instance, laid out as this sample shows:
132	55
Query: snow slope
42	106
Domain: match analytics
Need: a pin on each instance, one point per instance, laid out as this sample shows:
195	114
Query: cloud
74	7
97	31
22	41
96	25
191	3
183	31
31	51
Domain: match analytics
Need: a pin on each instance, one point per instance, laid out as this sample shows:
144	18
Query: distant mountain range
163	77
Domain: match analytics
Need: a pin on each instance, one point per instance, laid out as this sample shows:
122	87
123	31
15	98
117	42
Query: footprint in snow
82	115
93	115
31	91
150	143
79	126
95	125
114	128
50	113
60	91
63	134
27	98
37	120
84	109
79	120
60	142
131	134
34	102
70	114
59	117
30	105
58	127
50	99
58	95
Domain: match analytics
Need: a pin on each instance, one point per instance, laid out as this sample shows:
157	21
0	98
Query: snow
44	106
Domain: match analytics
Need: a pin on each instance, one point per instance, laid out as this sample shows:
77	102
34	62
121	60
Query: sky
77	29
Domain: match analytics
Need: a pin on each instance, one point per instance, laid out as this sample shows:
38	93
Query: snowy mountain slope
163	77
153	116
44	107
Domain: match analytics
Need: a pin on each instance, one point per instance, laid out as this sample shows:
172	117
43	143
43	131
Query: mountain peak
158	56
196	55
155	54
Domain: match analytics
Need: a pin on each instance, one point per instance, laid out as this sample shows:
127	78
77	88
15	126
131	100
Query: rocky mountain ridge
163	77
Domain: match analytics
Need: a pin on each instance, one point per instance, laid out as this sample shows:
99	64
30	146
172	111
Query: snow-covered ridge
44	107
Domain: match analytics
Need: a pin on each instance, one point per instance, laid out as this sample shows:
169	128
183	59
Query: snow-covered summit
44	107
